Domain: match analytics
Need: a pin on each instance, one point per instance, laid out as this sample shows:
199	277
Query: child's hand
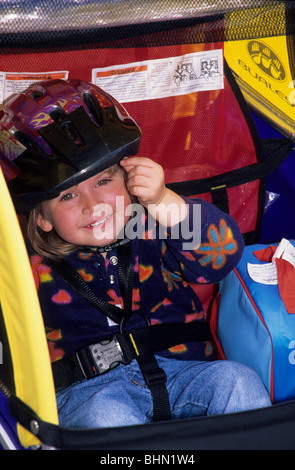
146	180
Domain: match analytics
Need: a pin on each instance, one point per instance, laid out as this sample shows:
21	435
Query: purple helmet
58	133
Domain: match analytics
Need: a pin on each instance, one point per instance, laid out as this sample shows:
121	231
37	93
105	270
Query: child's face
92	213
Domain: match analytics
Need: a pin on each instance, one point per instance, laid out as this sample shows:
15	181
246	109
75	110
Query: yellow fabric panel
262	70
23	320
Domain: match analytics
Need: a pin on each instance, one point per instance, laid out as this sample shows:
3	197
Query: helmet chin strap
111	246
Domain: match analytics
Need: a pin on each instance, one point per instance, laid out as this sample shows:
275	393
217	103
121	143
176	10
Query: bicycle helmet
58	133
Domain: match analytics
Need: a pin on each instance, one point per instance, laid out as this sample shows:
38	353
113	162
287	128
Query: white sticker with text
161	78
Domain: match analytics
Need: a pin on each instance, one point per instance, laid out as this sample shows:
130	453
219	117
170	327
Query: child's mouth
99	222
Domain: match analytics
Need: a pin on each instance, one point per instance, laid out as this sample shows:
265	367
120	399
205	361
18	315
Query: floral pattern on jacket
162	285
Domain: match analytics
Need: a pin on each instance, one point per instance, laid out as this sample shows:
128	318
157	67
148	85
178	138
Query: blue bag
253	326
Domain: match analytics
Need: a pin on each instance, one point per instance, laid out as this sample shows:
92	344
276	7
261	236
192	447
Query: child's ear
44	223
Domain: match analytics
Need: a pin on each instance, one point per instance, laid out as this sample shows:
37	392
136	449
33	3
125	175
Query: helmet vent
36	94
57	114
93	107
70	131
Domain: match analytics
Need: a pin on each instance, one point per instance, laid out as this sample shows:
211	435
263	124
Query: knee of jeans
233	370
101	412
246	379
235	374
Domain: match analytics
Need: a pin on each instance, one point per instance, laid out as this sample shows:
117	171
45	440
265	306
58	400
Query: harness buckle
107	355
104	356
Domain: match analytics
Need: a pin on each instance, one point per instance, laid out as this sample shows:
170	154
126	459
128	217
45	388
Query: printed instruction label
15	82
162	78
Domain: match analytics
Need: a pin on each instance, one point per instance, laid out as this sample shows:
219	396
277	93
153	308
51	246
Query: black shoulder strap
72	277
125	273
147	340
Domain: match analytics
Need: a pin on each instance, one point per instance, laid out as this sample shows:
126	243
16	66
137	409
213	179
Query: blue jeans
121	398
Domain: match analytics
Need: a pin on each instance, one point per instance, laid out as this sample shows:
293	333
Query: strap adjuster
154	376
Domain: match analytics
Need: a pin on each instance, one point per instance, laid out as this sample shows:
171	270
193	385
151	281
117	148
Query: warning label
14	82
161	78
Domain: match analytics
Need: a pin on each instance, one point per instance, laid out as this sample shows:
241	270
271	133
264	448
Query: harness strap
72	277
155	377
157	338
99	358
125	276
139	344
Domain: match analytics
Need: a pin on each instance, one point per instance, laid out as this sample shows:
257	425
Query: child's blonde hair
48	244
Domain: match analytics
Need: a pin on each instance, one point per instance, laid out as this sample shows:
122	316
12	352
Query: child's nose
88	204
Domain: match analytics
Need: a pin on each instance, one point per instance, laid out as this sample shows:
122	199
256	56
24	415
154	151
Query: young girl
125	354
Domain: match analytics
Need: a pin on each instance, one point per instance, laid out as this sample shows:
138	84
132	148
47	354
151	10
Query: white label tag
161	78
263	273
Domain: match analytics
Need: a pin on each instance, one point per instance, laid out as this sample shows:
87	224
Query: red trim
262	320
213	327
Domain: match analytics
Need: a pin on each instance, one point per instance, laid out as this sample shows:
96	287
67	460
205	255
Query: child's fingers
142	194
140	178
138	185
142	166
140	172
126	165
132	162
145	179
